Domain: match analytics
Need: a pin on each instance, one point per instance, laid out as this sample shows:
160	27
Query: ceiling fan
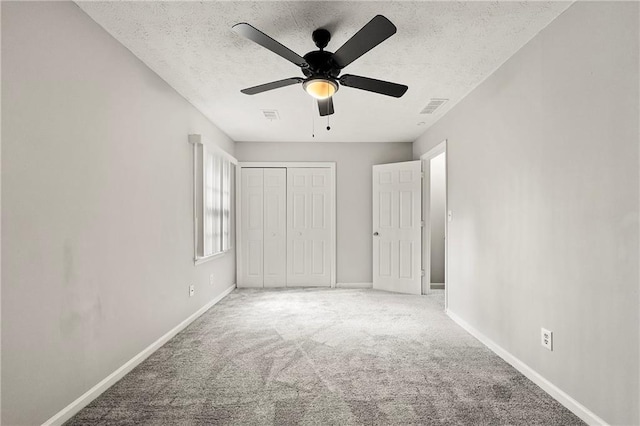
322	67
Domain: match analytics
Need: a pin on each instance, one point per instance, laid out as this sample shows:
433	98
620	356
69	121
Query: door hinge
422	224
422	272
422	175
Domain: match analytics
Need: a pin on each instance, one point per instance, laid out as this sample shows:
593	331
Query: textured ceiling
441	50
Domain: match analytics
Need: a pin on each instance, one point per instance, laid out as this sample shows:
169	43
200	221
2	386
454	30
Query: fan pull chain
313	122
328	96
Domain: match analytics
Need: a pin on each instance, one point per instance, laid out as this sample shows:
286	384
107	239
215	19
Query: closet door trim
290	164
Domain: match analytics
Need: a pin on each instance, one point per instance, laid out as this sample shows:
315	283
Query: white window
226	204
213	193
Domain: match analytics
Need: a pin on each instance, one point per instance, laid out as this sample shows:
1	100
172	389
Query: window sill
201	260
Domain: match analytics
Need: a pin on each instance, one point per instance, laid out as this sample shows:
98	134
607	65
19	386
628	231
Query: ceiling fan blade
265	41
372	34
373	85
325	106
273	85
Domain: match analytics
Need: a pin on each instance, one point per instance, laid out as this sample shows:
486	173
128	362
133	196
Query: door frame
426	229
288	164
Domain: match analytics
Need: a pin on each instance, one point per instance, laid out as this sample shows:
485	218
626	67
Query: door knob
375	234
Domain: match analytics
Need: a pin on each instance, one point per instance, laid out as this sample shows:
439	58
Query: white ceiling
441	50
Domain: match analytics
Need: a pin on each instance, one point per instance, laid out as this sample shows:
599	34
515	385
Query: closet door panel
309	227
252	223
275	227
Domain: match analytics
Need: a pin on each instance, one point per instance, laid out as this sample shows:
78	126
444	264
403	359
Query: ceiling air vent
433	104
270	114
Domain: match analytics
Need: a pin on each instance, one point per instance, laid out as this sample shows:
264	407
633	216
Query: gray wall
354	191
96	208
437	214
543	185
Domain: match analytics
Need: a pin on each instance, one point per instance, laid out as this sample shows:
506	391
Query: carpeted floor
324	357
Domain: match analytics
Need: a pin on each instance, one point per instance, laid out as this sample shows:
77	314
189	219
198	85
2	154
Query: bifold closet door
275	227
252	228
264	227
308	227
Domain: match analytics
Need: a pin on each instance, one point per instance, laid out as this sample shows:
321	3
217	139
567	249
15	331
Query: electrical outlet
546	338
192	290
211	279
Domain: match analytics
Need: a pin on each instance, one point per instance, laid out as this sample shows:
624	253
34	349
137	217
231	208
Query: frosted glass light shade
320	88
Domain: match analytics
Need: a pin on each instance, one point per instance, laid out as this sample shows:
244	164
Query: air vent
433	105
270	114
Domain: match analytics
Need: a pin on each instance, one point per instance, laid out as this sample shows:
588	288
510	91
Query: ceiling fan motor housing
321	64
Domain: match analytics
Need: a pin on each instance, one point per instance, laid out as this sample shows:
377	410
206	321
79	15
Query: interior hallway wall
543	186
437	215
354	191
97	221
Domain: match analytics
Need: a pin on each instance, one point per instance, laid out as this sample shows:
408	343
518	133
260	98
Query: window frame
223	165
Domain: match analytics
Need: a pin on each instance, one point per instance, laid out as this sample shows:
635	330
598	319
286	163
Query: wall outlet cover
546	338
211	279
192	290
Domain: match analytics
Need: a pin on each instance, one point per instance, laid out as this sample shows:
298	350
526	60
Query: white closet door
252	222
275	227
308	227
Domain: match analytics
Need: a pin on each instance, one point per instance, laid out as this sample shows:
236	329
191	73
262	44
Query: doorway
437	214
435	218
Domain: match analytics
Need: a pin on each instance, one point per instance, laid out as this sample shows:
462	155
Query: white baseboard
70	410
354	285
559	395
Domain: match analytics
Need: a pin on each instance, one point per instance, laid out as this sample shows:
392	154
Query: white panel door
397	234
275	227
309	205
252	228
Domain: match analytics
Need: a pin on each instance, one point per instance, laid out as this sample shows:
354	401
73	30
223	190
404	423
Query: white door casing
426	209
309	203
252	222
397	234
275	227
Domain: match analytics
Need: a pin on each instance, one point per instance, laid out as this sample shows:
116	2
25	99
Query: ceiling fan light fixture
320	88
321	68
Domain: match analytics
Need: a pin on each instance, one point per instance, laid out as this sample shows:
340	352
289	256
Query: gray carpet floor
324	357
